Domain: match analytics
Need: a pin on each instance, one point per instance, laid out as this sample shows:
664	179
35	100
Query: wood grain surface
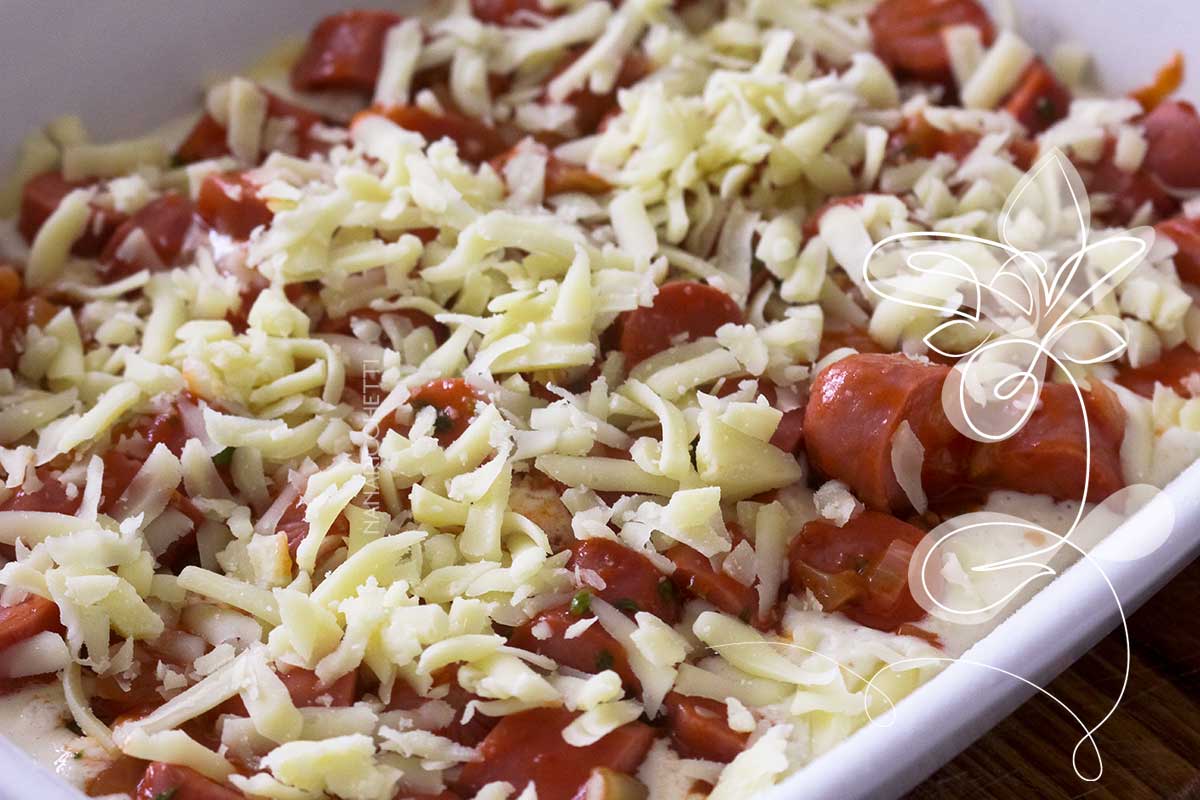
1150	747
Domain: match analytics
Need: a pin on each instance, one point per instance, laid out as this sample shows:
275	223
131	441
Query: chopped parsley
1045	109
443	423
581	603
666	589
604	660
223	458
625	604
166	794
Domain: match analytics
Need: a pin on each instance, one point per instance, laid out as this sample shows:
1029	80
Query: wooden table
1151	746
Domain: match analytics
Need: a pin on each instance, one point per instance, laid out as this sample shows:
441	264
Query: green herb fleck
1045	109
581	603
223	458
625	604
604	660
443	423
166	794
666	590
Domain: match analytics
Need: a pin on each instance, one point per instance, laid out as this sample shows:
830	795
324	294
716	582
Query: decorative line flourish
1017	311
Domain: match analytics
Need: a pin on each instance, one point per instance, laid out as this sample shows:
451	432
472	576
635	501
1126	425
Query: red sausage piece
860	569
593	651
293	524
1049	454
1172	130
455	402
528	747
477	141
507	12
694	575
1185	232
682	311
1039	100
164	223
41	196
699	728
208	138
907	34
561	176
307	690
592	109
229	203
1177	369
854	409
344	52
27	619
632	583
164	781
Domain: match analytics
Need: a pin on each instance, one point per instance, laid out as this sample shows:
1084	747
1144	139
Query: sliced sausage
229	203
1049	454
1128	192
1185	232
1178	369
209	139
51	495
1040	99
561	176
293	524
694	575
164	223
41	196
343	52
632	583
700	729
477	141
591	109
859	569
594	650
508	12
27	619
454	400
916	137
307	690
528	747
1172	130
681	311
164	781
855	407
907	34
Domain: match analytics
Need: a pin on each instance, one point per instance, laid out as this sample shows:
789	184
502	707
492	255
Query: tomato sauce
859	569
529	747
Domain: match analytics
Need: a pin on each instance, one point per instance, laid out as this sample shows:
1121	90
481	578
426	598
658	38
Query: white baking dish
127	65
